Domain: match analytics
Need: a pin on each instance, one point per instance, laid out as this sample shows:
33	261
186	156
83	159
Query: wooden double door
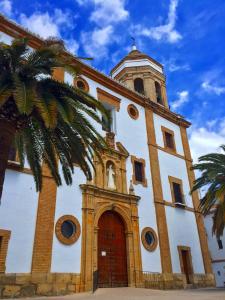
112	254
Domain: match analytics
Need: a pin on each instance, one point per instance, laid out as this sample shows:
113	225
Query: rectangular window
105	123
220	244
138	171
176	187
168	138
12	154
178	197
138	167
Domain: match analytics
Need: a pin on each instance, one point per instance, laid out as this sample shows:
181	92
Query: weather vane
133	43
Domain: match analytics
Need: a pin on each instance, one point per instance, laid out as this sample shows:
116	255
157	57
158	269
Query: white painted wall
68	78
182	227
171	165
158	122
219	271
66	258
183	231
18	214
215	252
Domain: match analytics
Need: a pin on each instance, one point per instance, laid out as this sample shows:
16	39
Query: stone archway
95	203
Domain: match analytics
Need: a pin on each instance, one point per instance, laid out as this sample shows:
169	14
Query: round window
149	239
67	229
133	111
80	85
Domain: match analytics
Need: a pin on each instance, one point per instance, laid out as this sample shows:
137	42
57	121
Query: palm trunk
7	133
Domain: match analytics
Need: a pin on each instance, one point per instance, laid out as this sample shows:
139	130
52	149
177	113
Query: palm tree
47	120
212	168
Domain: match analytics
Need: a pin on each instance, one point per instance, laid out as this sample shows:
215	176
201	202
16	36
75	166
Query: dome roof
135	55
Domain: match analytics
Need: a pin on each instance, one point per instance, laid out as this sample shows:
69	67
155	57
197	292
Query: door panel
185	260
112	258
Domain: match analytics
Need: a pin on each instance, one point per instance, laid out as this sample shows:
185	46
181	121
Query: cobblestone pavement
139	294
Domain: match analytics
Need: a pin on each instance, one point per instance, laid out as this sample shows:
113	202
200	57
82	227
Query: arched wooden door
112	255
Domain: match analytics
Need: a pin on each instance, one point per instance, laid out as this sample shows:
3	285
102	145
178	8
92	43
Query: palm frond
212	168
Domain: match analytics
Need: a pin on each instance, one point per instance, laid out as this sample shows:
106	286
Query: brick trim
42	249
158	195
195	199
5	236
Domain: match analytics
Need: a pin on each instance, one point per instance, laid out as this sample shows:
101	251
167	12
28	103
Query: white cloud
47	25
183	97
204	141
106	14
106	11
173	66
72	45
42	24
214	89
95	42
6	7
165	32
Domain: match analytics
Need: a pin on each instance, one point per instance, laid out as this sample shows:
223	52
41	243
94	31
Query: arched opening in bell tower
139	85
158	93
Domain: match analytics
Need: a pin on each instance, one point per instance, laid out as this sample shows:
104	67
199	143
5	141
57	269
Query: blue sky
186	36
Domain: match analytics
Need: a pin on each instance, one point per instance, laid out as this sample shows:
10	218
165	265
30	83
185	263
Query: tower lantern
143	74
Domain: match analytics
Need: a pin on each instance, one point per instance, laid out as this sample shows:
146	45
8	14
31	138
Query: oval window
133	111
149	239
68	228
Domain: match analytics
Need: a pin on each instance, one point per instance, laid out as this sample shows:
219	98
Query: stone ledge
39	284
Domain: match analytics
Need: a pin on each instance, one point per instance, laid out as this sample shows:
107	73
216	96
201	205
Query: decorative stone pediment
110	173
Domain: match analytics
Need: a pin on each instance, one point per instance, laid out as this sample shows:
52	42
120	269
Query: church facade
135	223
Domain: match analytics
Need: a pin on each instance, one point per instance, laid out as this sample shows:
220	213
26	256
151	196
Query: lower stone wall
204	280
162	281
39	284
176	281
52	284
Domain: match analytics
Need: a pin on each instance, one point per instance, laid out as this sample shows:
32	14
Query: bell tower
141	73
